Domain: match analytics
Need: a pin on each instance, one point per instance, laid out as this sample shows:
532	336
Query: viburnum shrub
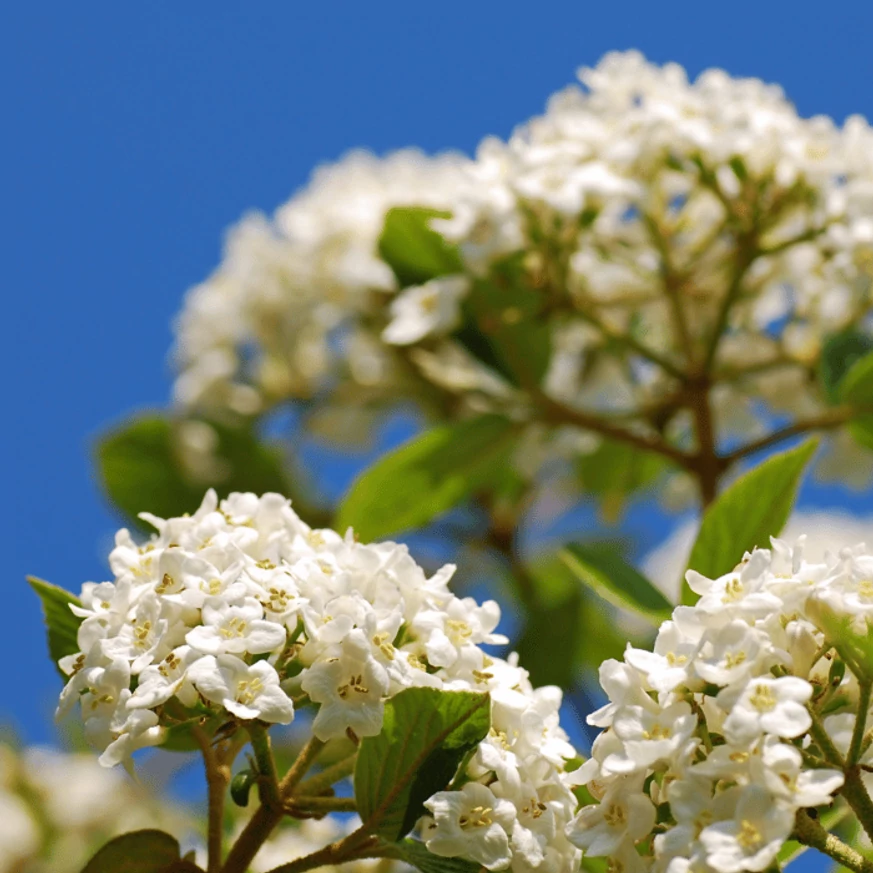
241	617
631	295
639	291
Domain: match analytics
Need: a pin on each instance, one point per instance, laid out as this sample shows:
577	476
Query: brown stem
708	467
812	834
835	417
265	819
556	413
217	778
356	845
299	805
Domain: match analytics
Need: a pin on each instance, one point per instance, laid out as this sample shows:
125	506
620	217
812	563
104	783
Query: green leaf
608	575
415	252
141	469
549	640
426	476
856	387
415	852
747	513
146	851
614	471
62	626
503	326
425	735
839	354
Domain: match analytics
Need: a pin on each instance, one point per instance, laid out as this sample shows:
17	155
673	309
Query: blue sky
134	134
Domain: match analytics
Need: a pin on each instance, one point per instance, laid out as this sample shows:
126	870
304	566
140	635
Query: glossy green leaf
414	852
146	851
141	468
414	251
747	513
430	474
839	354
425	735
609	576
61	625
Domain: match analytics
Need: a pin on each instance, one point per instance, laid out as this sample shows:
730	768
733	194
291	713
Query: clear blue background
134	134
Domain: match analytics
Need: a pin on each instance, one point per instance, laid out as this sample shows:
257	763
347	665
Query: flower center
749	836
763	698
248	690
477	817
615	816
354	685
233	628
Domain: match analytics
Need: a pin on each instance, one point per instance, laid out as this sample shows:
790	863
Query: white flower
781	769
424	310
244	691
471	823
159	682
650	735
350	687
235	628
766	705
752	838
622	817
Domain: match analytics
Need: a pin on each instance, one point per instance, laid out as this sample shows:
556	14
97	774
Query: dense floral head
750	711
645	227
241	612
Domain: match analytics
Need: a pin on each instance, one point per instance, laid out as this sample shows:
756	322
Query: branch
812	834
560	414
326	778
826	421
217	776
355	846
265	819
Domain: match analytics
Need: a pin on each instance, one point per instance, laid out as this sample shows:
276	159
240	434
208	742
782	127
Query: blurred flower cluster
752	707
644	233
57	808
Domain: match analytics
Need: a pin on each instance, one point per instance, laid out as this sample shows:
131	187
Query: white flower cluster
642	211
236	609
709	734
286	287
58	808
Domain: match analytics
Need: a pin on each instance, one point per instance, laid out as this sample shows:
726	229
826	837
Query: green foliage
425	735
746	514
565	630
547	645
141	469
415	853
61	625
433	472
838	356
503	328
146	851
856	388
609	576
414	251
615	471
